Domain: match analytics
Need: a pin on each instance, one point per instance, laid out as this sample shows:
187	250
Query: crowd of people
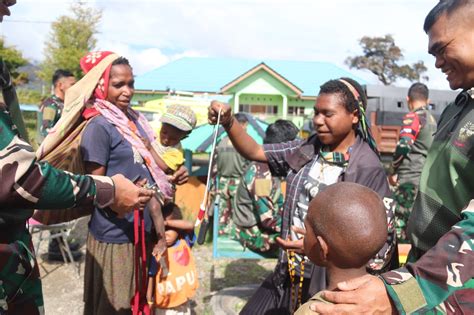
335	232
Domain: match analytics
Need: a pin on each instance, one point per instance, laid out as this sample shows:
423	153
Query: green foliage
30	119
382	57
14	59
29	96
70	39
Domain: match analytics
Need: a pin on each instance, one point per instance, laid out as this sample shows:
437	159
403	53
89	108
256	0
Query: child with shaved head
346	226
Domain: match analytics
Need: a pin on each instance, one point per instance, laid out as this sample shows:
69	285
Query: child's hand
181	176
158	250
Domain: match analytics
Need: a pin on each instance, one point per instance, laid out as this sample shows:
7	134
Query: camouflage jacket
442	235
259	200
28	184
415	140
442	280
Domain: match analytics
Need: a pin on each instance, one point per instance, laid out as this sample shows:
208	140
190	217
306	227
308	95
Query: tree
14	60
382	57
70	39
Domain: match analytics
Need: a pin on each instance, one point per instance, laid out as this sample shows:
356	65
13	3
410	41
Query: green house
268	89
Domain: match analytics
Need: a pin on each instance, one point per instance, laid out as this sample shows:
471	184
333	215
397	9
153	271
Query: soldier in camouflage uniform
230	166
51	108
440	275
27	185
259	199
416	137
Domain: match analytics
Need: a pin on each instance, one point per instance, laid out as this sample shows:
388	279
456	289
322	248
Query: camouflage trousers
20	285
256	240
404	197
226	189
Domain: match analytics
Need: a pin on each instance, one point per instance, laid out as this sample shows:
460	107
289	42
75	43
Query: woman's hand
226	114
296	246
129	196
181	176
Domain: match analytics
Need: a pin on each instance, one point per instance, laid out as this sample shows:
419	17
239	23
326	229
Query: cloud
151	33
144	59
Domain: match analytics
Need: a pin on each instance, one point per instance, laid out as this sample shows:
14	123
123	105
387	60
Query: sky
151	33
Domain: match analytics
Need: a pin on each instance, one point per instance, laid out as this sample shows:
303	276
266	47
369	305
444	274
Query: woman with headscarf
112	143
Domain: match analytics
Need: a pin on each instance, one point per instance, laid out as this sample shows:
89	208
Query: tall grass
30	123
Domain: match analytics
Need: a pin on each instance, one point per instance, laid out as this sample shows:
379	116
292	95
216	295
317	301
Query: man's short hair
418	92
280	131
443	6
241	118
61	73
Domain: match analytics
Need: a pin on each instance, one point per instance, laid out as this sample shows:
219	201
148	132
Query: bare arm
242	142
158	160
180	225
95	169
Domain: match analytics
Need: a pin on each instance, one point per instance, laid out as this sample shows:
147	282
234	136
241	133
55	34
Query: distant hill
34	82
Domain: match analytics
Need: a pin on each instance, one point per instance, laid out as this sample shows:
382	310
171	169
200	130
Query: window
244	108
296	110
258	109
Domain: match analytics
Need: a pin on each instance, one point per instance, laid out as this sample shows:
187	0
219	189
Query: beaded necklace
298	291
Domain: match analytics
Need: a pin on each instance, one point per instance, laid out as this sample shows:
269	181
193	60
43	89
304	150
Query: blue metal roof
211	74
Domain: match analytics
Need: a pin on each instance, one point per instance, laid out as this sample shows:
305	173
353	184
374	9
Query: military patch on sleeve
410	295
263	187
49	113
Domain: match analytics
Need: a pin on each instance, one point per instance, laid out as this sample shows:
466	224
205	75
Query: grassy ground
30	123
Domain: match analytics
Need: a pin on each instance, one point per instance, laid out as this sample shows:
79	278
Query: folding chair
63	231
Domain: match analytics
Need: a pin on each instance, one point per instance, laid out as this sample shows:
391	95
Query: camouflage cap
179	116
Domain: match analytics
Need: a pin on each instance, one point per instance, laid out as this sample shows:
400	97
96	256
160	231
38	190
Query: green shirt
305	308
229	162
